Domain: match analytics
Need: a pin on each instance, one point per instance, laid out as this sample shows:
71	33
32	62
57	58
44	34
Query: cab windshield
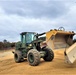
30	37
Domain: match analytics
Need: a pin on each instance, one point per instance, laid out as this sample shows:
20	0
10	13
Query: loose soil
56	67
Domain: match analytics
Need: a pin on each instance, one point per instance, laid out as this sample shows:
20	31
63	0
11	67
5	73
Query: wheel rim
31	58
16	56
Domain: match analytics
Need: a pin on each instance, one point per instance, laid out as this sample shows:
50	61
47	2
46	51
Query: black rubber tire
49	54
33	57
18	56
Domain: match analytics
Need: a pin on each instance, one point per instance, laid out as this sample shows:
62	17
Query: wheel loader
30	47
34	46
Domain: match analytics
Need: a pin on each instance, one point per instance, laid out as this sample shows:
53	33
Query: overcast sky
17	16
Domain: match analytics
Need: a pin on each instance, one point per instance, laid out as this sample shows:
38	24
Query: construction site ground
56	67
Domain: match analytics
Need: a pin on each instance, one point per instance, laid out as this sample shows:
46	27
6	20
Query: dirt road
56	67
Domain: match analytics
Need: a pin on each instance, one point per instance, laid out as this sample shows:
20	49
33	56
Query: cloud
35	9
35	16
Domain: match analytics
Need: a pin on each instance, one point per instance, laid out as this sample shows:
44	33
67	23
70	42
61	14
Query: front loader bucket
59	39
70	54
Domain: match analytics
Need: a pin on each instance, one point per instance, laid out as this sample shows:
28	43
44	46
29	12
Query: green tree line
6	45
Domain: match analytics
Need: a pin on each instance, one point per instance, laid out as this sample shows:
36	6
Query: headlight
30	44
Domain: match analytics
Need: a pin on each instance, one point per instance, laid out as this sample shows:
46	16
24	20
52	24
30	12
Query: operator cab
27	37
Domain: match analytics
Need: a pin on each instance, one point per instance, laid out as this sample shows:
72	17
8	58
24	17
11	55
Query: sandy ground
56	67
